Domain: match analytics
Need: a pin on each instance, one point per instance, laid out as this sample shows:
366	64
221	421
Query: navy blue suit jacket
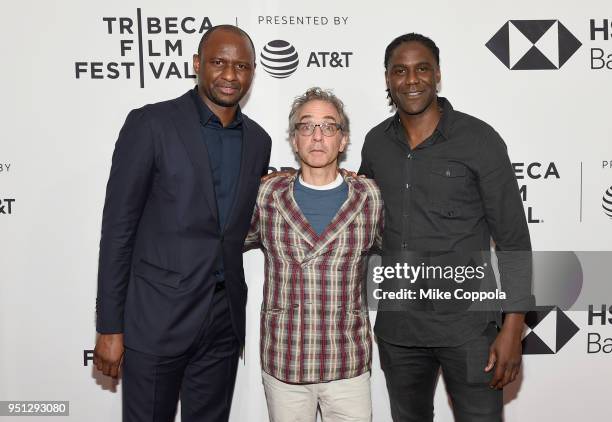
160	234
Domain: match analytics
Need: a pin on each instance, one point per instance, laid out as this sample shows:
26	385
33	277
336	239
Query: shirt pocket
447	182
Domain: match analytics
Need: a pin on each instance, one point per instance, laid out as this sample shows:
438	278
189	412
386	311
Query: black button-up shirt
224	145
453	192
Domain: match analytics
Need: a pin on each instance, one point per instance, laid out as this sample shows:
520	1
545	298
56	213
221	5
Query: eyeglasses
328	129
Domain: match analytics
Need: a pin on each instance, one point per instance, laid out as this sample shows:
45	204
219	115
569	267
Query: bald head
228	28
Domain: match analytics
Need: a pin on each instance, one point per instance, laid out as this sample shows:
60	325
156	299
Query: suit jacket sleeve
126	194
253	237
264	170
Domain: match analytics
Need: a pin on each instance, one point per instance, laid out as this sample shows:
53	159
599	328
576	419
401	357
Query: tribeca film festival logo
606	202
280	59
149	47
548	331
534	171
533	44
88	355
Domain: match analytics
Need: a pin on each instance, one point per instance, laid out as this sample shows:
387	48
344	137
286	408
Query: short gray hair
312	94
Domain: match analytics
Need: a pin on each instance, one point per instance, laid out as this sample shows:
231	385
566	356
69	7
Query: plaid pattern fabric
314	317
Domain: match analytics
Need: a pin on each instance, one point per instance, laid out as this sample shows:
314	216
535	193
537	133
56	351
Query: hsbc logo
548	330
533	44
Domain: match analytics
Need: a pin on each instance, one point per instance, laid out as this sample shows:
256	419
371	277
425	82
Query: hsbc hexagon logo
533	44
548	330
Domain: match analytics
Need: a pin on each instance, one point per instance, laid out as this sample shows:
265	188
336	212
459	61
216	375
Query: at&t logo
280	59
6	206
606	202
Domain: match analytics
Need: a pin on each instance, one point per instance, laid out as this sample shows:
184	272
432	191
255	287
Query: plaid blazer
314	316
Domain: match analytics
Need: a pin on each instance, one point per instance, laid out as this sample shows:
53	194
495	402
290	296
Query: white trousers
345	400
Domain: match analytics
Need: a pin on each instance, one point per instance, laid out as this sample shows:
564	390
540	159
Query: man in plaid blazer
315	229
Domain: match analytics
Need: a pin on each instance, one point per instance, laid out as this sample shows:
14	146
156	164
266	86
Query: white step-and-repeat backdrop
71	70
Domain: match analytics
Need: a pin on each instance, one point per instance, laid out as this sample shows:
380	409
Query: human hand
108	354
505	354
349	173
284	173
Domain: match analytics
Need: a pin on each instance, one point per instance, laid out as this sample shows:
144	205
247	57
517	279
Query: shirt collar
446	120
444	125
208	118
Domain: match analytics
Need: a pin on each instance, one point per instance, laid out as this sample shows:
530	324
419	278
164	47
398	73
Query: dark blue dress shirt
224	145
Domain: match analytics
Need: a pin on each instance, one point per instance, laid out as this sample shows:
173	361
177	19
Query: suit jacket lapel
246	165
187	122
287	207
290	211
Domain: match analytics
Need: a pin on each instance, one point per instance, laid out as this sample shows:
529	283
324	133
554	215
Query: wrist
513	323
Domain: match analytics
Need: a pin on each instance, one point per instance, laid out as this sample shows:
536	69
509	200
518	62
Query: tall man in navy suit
171	290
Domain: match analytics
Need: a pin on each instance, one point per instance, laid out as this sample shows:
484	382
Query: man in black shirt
448	185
